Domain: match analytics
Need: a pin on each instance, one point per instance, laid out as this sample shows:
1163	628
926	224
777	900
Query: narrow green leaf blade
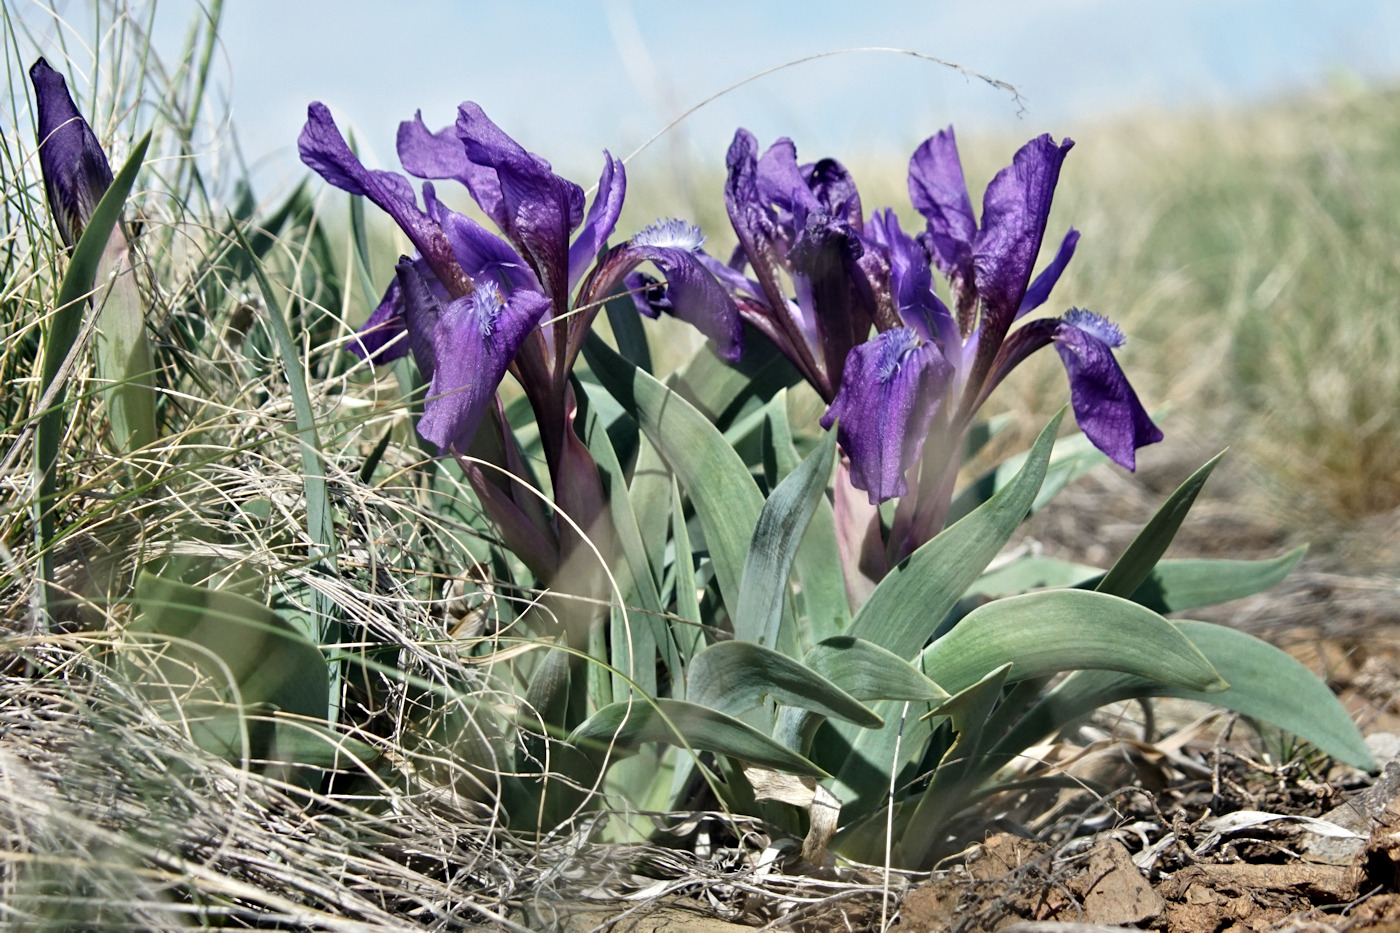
776	537
1033	573
621	727
63	330
82	265
736	676
318	508
1182	585
969	710
726	498
1136	563
1074	455
905	610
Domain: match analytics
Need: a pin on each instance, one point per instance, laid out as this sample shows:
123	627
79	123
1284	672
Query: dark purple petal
939	192
734	281
384	327
441	155
1105	405
911	281
648	294
827	256
421	313
325	151
75	169
1014	211
891	391
782	183
746	215
835	189
601	219
483	254
474	341
1039	291
541	209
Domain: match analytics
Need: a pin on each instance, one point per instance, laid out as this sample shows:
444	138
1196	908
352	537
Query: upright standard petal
891	391
439	155
541	209
780	182
326	152
832	185
1014	211
474	341
1105	405
938	191
911	282
75	169
1040	289
601	219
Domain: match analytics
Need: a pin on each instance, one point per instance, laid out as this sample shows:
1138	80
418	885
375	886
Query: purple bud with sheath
76	172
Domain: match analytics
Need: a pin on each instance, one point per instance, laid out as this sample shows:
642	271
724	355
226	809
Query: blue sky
570	78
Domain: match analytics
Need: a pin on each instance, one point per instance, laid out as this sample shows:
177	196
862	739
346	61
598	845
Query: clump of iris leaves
675	598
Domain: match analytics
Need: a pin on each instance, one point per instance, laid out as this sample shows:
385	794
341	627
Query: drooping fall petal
690	292
378	339
891	391
474	341
1105	405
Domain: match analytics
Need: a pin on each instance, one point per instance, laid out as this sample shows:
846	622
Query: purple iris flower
989	267
469	299
76	172
802	222
926	364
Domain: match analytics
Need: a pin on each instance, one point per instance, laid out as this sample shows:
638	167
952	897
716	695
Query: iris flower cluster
472	305
849	299
899	369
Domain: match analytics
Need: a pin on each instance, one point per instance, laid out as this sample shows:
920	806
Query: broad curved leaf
1064	630
1265	683
868	672
735	676
1182	585
621	727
